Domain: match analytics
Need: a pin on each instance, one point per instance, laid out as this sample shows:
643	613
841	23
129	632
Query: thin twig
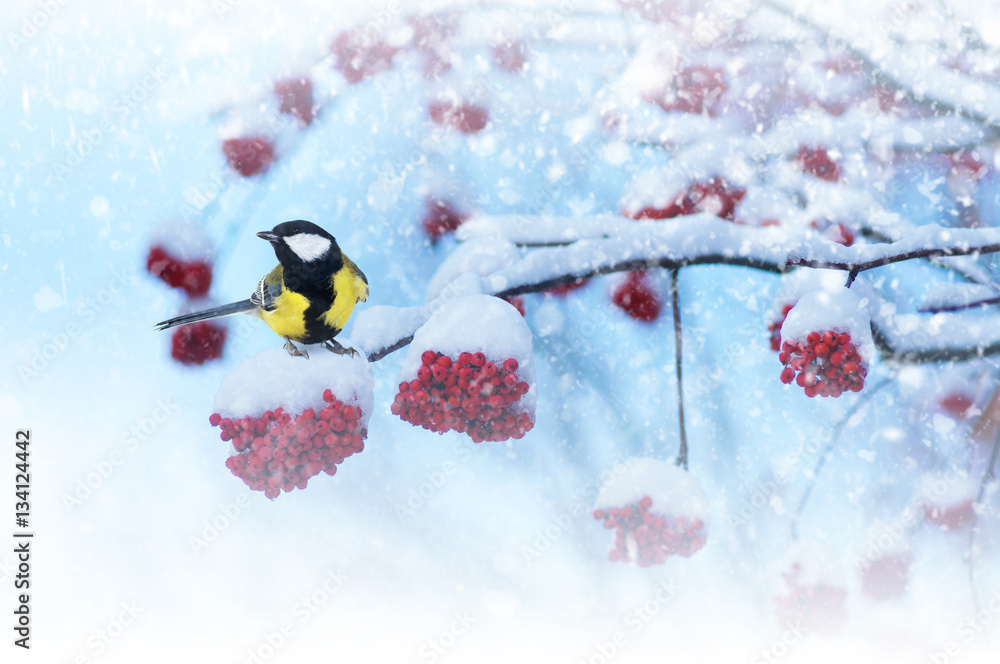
682	453
837	430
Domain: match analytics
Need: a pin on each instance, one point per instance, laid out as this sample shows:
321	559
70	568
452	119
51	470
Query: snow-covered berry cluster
648	538
180	255
826	364
440	217
887	575
834	231
296	97
695	89
467	117
812	593
278	452
249	155
814	607
715	196
470	395
817	162
359	56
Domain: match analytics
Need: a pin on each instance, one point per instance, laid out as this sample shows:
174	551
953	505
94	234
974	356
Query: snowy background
335	572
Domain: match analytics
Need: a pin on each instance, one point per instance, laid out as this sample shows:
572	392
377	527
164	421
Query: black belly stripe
303	279
316	330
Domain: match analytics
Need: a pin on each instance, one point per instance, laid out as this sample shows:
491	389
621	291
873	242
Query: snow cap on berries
183	240
273	379
797	283
810	563
481	256
764	206
673	490
477	323
838	309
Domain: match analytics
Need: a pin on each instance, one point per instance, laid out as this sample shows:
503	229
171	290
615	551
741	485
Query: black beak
268	235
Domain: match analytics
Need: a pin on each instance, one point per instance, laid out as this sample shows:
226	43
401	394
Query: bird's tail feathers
246	306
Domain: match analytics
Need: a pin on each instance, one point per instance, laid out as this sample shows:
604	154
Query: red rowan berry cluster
193	276
826	364
692	90
467	117
198	343
249	155
886	577
441	217
774	327
296	97
655	537
470	396
358	56
636	297
715	196
817	162
279	452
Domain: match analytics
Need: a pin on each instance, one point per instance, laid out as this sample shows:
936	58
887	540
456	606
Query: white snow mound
482	256
838	309
673	490
274	378
183	240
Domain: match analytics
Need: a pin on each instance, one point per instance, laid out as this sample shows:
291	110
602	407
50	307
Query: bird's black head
298	242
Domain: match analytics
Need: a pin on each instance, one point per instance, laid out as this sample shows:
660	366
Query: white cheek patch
307	246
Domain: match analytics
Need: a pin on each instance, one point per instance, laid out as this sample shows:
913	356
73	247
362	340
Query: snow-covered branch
561	253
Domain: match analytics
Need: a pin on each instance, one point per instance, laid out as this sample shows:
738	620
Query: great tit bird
307	297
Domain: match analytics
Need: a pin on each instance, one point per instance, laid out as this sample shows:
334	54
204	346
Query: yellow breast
288	318
350	289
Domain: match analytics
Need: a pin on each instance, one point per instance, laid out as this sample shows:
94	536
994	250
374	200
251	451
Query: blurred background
188	126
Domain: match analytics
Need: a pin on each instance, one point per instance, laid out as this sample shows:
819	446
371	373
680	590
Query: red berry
468	118
636	298
359	56
296	95
817	162
249	155
198	343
